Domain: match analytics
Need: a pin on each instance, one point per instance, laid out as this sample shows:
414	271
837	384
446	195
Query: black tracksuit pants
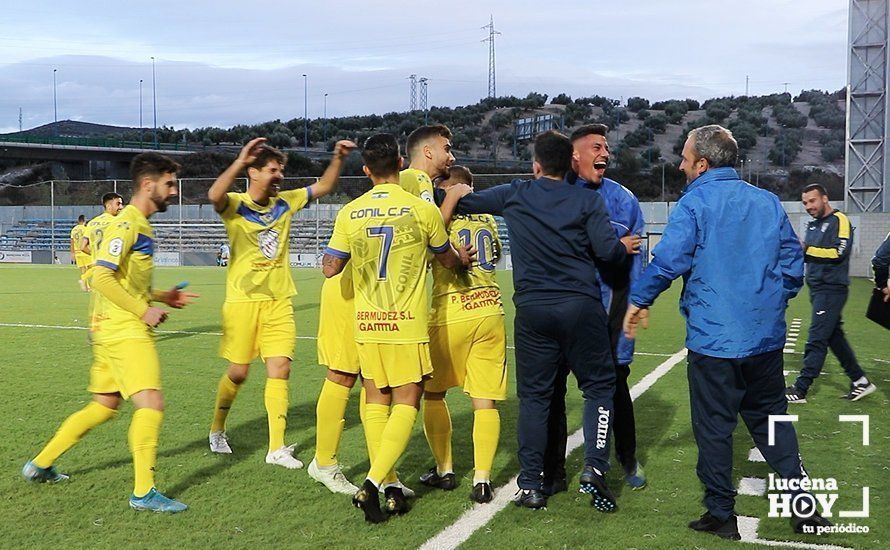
826	332
719	391
548	336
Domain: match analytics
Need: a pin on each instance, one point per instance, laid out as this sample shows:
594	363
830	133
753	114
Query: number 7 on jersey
386	233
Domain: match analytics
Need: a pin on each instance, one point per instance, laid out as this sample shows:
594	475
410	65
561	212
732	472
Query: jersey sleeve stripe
309	194
843	225
820	252
440	249
109	265
337	253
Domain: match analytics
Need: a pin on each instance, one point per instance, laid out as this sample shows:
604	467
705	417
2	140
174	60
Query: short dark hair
152	165
460	173
553	151
267	153
108	197
424	133
815	187
81	218
381	154
589	129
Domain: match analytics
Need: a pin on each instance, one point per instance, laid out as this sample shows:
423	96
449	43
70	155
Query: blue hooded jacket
626	218
740	261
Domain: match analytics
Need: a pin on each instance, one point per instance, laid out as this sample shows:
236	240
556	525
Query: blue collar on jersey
264	218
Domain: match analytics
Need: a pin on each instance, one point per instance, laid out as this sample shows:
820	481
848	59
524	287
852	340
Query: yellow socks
437	427
143	437
362	402
376	417
393	441
486	432
72	429
276	409
329	422
225	395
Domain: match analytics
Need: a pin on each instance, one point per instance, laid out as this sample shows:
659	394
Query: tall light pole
154	101
141	133
55	108
325	130
305	114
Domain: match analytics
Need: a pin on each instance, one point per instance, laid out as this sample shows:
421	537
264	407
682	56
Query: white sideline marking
748	530
752	486
470	521
69	327
754	455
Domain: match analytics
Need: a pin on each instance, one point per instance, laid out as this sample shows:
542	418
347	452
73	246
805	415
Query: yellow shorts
125	367
336	329
471	354
394	365
83	261
251	329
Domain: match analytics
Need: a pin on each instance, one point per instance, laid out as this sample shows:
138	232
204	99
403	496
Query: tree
561	99
635	104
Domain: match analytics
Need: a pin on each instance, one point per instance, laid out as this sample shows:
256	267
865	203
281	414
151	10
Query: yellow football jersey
259	266
77	233
386	233
474	293
418	183
127	248
95	231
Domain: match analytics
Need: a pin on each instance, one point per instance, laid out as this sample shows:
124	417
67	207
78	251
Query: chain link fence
37	219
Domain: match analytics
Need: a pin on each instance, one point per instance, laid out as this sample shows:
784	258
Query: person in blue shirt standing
741	263
589	161
557	232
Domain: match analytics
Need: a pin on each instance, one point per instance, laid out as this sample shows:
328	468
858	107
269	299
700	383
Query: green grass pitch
238	501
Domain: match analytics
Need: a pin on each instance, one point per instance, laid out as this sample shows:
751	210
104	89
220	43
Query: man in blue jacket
741	262
589	161
557	232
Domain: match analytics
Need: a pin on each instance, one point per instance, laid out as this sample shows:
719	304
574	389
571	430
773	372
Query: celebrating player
125	362
467	347
258	316
429	151
386	233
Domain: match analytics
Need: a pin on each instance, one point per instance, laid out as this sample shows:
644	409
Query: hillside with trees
785	142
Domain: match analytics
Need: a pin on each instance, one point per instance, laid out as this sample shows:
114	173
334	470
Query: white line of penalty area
476	517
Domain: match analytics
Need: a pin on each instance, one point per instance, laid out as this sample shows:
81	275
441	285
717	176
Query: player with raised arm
385	235
430	152
258	316
125	361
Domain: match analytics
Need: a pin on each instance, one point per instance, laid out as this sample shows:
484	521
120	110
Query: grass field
238	501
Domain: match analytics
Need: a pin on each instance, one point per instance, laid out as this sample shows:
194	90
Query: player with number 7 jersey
386	233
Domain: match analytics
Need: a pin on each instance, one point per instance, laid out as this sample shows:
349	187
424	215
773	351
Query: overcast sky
223	63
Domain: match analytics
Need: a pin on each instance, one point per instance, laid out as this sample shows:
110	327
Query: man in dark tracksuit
589	162
827	243
556	232
881	265
740	262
